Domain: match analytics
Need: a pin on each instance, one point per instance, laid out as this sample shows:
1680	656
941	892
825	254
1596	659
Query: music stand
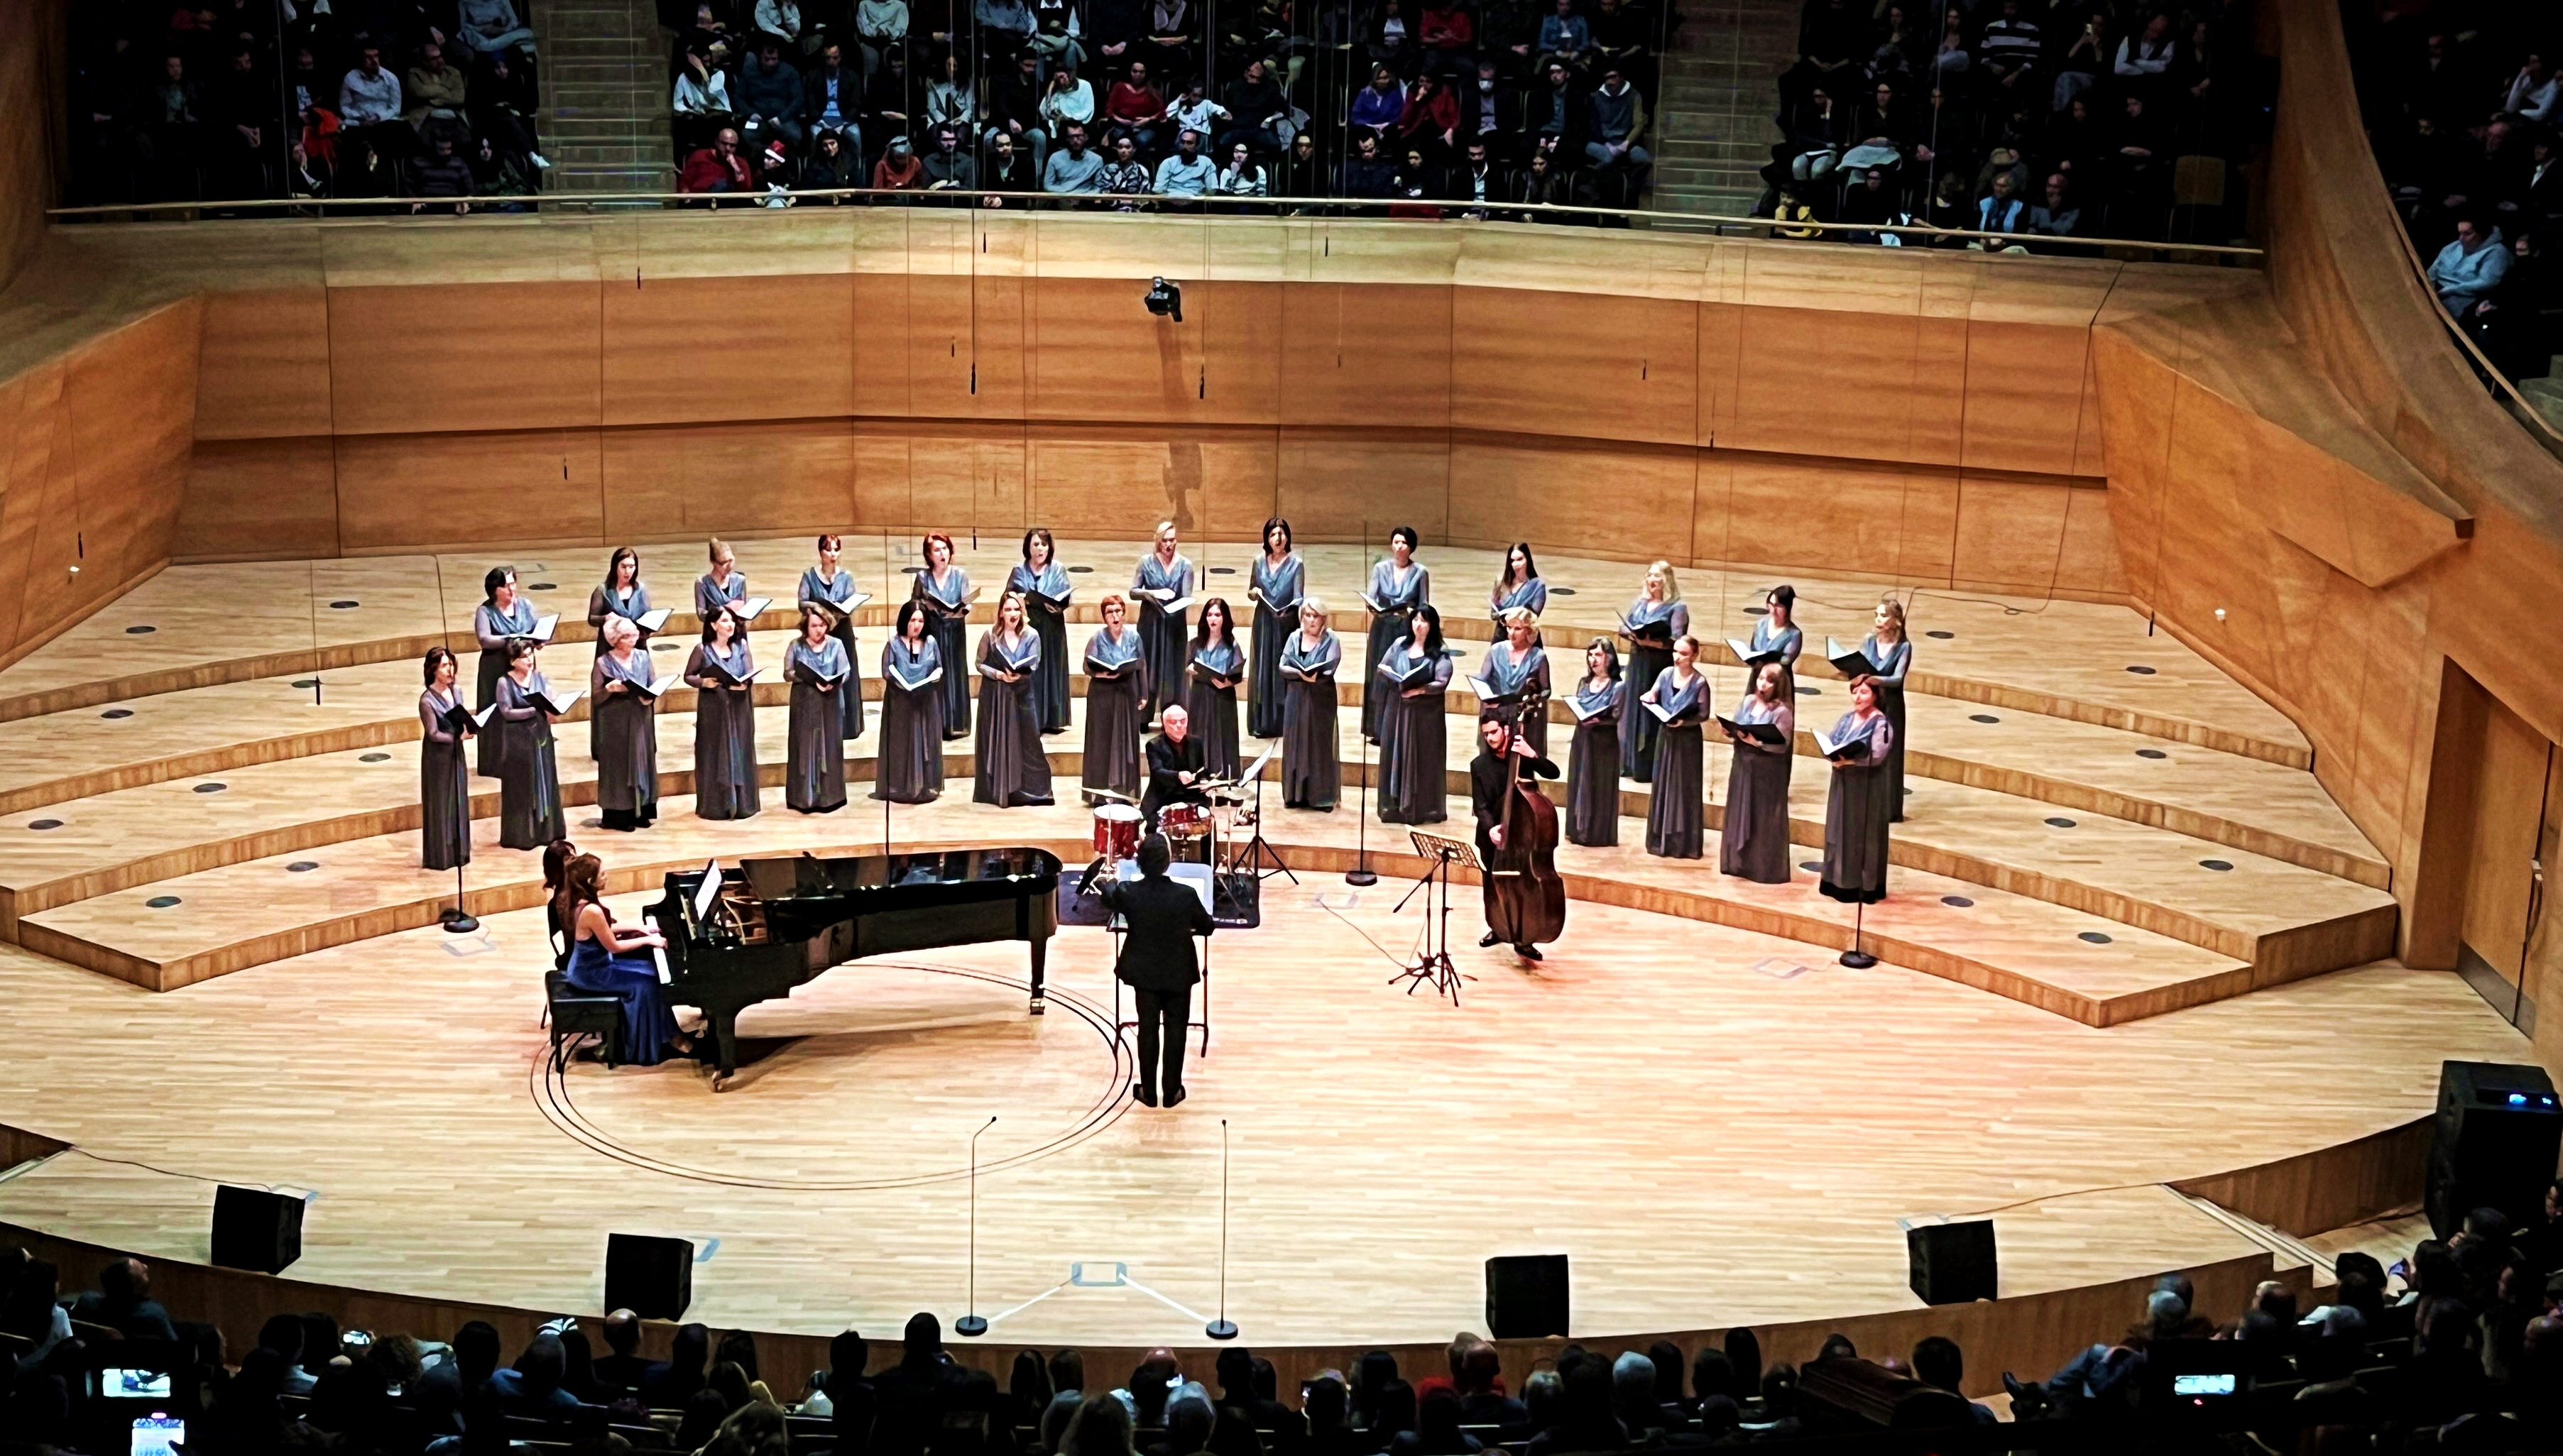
1258	850
1433	963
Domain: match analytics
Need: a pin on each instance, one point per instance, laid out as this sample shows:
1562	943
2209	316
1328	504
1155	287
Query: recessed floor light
1080	570
139	630
161	902
306	682
373	758
1959	901
1981	718
211	788
345	604
304	867
1813	866
117	713
1942	635
46	824
2151	753
2216	864
2094	937
2142	670
2060	823
1561	590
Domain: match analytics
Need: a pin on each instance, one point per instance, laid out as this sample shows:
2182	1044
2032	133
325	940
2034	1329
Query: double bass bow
1525	896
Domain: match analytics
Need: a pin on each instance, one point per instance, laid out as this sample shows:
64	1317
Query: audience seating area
2458	1348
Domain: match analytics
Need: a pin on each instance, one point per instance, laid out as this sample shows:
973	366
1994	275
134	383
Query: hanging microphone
971	1325
1219	1328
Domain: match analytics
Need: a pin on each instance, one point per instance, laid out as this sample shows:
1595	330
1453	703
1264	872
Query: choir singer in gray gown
721	670
1217	663
1044	586
908	766
621	595
1675	814
529	797
1754	844
1312	771
1890	656
1012	768
831	588
444	779
1413	679
1857	809
1517	672
503	617
619	705
821	674
945	591
1116	691
1593	764
1163	578
1651	623
1398	586
1281	580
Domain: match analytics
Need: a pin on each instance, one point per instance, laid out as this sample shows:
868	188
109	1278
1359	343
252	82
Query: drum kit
1118	826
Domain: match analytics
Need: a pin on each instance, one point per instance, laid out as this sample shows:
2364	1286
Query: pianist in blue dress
606	959
529	794
1857	809
620	595
1164	577
909	767
1398	586
1012	770
626	719
1042	583
1777	630
820	671
1518	588
721	591
720	671
1312	771
1593	765
829	586
1280	581
1517	672
1115	688
945	591
1651	625
1753	844
444	782
1675	812
1216	664
1890	656
1414	743
502	617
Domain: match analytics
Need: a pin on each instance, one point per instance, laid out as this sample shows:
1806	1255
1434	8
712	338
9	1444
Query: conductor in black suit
1177	763
1162	916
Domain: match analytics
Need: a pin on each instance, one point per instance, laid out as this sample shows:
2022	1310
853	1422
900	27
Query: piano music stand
1433	963
1117	928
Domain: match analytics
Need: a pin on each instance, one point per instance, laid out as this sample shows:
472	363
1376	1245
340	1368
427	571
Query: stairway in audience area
1719	89
604	122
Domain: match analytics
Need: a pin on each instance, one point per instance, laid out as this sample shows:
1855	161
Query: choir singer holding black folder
1651	623
945	590
1043	585
623	703
1857	811
444	779
1280	583
1116	693
529	794
1012	768
1413	679
820	672
722	673
1516	675
1312	772
1885	656
1216	666
1398	586
1678	702
908	766
502	618
1163	585
1754	844
620	596
1593	764
830	590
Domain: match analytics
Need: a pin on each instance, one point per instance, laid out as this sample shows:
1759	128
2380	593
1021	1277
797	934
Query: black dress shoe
1492	941
1176	1097
1147	1096
1528	952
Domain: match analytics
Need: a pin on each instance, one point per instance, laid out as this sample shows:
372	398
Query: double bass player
1516	838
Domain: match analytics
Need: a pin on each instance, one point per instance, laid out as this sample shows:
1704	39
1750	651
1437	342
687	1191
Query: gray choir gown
1164	639
1754	844
1675	813
814	775
908	766
1593	768
604	603
1531	597
1392	622
1414	741
1889	667
1856	817
1519	678
492	631
712	597
444	786
947	620
725	785
1115	688
626	738
1312	771
529	796
850	696
1012	768
1049	685
1637	727
1278	591
1214	709
1788	641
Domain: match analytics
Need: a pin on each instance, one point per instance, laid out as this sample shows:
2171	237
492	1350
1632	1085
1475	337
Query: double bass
1525	896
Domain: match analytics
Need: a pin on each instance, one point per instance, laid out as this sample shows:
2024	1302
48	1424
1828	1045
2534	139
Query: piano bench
578	1013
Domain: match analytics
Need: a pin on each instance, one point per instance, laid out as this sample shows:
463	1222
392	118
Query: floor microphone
971	1325
1219	1328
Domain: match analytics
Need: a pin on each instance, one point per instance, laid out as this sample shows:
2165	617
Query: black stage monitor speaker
652	1277
1952	1263
2494	1143
256	1229
1526	1296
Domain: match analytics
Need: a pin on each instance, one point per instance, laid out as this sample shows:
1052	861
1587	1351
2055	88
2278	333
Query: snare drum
1116	832
1184	820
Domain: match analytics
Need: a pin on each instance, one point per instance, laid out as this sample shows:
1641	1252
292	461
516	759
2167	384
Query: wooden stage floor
1714	1134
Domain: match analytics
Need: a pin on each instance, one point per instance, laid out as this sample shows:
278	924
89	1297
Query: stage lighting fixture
1165	300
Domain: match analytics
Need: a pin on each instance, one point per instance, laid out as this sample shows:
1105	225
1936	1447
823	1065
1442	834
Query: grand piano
736	937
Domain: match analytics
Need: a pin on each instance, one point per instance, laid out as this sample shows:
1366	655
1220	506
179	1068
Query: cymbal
1108	794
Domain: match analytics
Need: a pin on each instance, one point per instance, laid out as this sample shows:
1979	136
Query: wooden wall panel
409	491
409	359
704	479
263	368
1598	496
963	346
1097	354
1541	363
2012	536
880	346
702	349
1855	515
1349	486
33	102
2024	396
1366	354
260	499
1088	481
1865	386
